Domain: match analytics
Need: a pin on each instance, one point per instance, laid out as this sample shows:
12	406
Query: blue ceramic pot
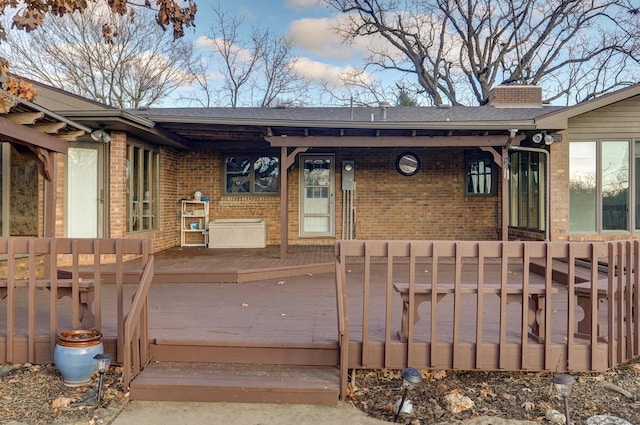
74	354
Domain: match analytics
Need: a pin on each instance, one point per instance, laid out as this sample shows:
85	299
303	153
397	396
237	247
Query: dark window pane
479	170
237	174
266	174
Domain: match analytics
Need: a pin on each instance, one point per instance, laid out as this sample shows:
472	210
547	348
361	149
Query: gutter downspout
547	208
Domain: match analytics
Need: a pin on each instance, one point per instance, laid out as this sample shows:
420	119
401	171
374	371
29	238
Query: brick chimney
516	96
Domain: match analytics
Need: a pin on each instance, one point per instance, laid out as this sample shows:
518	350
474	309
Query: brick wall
165	237
169	218
428	205
516	95
117	185
559	212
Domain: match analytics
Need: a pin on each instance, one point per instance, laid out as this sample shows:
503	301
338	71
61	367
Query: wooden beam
390	141
291	158
26	136
46	157
25	118
497	156
50	127
71	136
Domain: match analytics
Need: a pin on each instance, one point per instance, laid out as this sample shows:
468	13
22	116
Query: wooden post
284	202
51	198
505	193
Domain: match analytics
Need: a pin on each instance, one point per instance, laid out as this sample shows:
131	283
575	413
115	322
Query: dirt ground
520	396
36	395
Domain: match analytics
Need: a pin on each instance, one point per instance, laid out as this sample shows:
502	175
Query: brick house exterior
432	204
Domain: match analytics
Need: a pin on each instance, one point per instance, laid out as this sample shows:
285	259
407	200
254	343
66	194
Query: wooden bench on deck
422	293
583	294
65	289
582	280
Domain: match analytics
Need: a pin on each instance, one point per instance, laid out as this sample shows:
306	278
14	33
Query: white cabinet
193	223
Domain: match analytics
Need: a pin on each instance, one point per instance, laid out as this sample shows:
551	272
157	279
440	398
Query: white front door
84	194
317	212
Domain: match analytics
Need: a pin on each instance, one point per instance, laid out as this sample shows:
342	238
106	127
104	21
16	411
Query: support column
284	203
505	193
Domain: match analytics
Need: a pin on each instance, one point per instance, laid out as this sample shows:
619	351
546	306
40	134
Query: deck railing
491	305
136	328
40	272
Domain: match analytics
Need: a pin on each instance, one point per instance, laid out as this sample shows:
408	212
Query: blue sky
321	55
306	21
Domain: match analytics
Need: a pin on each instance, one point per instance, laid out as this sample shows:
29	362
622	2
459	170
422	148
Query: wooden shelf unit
193	223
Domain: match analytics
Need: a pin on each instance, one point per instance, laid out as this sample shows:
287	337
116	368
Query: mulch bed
519	396
36	394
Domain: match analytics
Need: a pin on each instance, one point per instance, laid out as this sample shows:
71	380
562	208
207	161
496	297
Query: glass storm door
317	197
84	201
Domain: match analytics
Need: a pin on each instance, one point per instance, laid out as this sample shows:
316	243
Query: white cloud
317	38
300	4
209	44
323	72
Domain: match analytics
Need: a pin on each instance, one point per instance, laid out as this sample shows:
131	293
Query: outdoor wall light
100	136
545	137
564	385
103	361
410	378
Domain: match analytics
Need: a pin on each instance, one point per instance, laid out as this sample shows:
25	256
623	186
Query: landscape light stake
410	378
103	360
564	385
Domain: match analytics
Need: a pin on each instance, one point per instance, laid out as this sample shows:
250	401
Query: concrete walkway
172	413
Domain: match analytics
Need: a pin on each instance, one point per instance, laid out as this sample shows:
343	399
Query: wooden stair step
242	383
291	353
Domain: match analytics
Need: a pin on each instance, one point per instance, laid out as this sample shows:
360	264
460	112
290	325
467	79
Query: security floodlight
100	136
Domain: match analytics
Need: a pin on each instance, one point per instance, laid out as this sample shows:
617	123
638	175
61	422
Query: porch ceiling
247	136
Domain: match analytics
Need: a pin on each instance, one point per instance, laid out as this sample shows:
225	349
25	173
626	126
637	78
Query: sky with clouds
321	54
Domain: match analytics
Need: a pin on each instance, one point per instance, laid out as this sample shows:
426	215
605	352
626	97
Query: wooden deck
249	306
212	265
284	302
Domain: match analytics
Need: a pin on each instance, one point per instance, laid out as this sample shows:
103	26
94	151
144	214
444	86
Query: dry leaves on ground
36	394
521	396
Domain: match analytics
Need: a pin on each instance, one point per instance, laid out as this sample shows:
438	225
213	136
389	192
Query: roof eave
560	119
127	121
382	125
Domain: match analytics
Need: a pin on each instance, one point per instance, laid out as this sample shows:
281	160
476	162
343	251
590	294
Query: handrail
136	327
64	267
343	322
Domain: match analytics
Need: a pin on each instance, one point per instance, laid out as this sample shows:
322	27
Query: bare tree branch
255	71
142	65
457	48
